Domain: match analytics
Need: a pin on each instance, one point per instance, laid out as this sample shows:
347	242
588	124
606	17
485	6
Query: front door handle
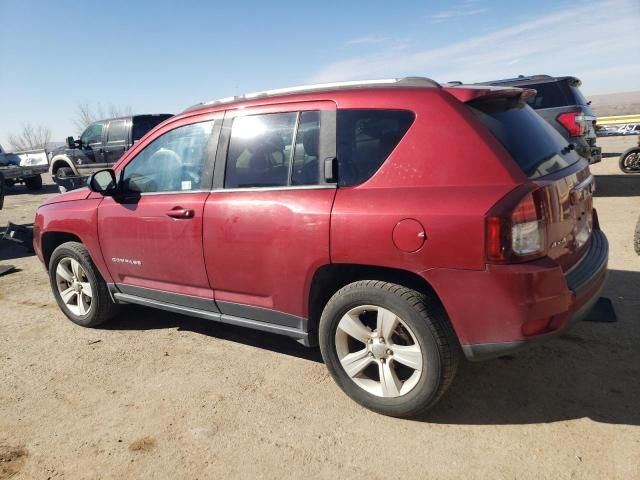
179	212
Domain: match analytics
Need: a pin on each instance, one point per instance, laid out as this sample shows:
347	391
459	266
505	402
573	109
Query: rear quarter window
365	138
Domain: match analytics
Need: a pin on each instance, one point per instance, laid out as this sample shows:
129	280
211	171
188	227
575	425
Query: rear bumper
507	307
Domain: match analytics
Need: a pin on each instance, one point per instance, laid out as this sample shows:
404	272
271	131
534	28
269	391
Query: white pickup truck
23	167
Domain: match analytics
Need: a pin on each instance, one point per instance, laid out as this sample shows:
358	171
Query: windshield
535	146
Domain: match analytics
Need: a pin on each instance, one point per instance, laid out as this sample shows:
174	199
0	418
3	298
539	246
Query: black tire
102	307
33	183
425	317
63	172
636	237
630	156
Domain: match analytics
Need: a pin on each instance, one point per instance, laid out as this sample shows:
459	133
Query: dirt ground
159	395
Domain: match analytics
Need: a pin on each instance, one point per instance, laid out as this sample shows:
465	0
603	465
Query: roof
406	82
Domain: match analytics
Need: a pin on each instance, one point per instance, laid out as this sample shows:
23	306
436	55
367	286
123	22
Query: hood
79	194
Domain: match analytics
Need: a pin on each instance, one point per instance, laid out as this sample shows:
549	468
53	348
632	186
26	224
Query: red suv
396	223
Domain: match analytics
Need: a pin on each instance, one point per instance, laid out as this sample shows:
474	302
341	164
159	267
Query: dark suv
338	214
559	101
100	146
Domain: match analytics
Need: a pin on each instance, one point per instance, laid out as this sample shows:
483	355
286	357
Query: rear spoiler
468	93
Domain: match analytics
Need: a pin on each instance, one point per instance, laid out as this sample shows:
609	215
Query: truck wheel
78	287
63	172
33	183
389	348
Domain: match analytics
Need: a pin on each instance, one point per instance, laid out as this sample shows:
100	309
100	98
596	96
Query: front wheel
78	287
389	348
630	160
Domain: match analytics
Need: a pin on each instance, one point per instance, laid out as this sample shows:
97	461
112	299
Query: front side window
93	134
259	152
173	162
365	139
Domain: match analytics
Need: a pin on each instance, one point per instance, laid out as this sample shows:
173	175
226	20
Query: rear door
266	222
151	236
117	140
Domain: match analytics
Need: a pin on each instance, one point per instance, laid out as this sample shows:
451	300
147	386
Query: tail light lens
516	228
574	122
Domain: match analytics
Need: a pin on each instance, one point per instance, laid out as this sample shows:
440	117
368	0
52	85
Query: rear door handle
180	213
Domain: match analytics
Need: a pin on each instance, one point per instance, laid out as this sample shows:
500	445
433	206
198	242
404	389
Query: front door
266	224
151	234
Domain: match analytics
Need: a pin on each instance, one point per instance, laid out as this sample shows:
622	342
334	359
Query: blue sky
162	56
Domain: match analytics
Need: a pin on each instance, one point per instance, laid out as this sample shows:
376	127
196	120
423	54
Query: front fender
61	161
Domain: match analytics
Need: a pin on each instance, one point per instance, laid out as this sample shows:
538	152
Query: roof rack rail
320	87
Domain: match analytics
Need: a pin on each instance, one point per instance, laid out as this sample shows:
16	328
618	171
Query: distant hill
624	103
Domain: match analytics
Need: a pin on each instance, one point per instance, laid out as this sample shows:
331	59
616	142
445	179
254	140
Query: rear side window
260	150
365	138
533	143
117	132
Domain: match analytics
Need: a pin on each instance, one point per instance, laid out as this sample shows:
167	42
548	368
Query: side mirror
70	142
104	182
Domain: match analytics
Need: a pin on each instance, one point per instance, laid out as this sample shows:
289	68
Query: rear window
548	95
555	94
577	96
365	138
533	143
143	123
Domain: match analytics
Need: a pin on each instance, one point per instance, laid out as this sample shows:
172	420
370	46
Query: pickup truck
23	167
100	146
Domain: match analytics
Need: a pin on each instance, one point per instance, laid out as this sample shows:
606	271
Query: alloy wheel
73	286
378	351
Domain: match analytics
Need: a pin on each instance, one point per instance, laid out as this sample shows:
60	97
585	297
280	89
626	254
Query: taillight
516	228
574	122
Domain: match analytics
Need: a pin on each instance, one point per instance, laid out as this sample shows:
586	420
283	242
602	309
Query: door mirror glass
70	142
103	182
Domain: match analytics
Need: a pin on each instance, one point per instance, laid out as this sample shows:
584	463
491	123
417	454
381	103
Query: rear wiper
568	148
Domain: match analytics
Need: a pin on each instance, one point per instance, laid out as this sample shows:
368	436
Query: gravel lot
160	395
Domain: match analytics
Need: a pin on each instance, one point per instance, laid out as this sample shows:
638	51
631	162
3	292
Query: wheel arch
330	278
60	162
52	240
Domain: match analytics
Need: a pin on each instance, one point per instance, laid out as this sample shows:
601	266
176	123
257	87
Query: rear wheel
63	172
33	183
389	348
78	287
630	161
